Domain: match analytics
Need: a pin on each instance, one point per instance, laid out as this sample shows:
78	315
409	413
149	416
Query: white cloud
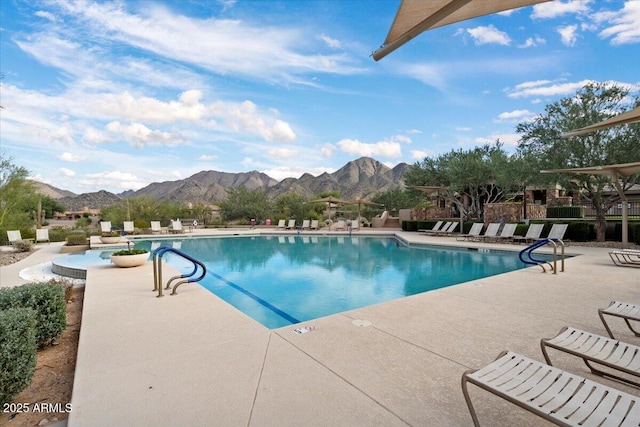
46	15
327	150
113	179
68	157
514	116
382	148
568	34
66	172
138	135
533	42
282	153
489	35
94	136
625	24
545	88
331	42
207	158
508	139
554	9
245	117
421	154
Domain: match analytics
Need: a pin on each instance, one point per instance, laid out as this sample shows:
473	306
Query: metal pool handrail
157	270
531	260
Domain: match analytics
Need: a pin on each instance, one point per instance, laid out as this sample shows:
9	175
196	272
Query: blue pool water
280	281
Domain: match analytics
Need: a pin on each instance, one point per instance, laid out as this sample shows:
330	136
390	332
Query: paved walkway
192	359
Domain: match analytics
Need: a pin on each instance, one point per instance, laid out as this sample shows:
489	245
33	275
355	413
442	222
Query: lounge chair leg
543	347
604	322
465	392
636	333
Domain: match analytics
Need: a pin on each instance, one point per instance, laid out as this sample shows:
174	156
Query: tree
541	138
471	178
393	200
245	204
292	205
15	193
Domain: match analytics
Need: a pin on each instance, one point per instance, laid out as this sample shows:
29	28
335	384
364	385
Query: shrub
580	232
565	212
23	245
17	351
130	252
411	225
47	299
76	237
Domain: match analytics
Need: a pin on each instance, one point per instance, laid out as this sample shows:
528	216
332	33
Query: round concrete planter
129	260
107	240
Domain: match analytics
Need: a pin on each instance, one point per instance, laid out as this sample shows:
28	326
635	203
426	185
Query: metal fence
616	211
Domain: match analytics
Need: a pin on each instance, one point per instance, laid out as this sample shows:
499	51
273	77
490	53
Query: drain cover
360	322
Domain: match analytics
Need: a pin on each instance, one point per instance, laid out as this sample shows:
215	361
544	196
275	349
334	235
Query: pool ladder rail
526	255
186	278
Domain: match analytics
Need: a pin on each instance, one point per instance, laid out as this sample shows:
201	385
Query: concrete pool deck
192	359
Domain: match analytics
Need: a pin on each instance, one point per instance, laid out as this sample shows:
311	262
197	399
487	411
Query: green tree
392	200
245	204
471	178
16	193
292	206
541	139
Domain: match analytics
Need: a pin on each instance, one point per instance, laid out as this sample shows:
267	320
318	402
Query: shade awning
631	116
416	16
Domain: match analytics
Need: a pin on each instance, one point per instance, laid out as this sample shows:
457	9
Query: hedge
565	212
17	351
47	299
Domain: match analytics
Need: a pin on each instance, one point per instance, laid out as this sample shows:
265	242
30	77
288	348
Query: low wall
512	212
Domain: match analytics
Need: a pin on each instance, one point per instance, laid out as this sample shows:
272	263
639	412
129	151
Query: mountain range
361	178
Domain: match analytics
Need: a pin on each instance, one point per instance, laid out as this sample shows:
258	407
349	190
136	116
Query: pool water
283	280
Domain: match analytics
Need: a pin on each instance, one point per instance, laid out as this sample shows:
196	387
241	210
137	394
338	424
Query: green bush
76	237
17	351
23	245
580	232
634	232
411	225
48	301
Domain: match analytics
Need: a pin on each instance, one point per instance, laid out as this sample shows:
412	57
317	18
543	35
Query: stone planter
109	239
66	249
129	260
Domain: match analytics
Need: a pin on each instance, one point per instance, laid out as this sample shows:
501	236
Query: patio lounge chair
14	236
625	257
305	224
434	231
491	232
533	233
507	233
597	349
42	235
155	227
354	225
557	232
281	224
314	224
557	396
436	227
446	231
628	312
291	225
475	231
128	227
176	226
105	226
340	225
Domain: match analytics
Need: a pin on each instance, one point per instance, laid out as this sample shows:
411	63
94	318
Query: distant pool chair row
42	235
307	224
561	397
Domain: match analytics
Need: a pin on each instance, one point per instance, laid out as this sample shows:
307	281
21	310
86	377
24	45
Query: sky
116	95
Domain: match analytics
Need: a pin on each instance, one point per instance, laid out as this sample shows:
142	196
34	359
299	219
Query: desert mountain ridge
361	178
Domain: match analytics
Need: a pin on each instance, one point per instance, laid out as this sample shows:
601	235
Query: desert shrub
17	351
76	237
83	222
47	299
23	245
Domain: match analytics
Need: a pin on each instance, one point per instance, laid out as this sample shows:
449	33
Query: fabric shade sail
416	16
631	116
624	170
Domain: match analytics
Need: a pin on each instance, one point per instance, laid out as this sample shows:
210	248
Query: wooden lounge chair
475	231
436	227
597	349
625	257
624	310
42	235
557	396
533	233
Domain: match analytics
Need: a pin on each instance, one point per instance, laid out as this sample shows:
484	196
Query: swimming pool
283	280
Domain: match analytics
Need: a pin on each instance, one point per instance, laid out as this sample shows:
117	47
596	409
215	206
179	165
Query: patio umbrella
329	200
361	202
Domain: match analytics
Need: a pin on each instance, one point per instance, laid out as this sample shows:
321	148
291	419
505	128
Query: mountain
51	191
361	178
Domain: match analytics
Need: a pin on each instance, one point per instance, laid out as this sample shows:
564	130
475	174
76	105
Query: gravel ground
9	257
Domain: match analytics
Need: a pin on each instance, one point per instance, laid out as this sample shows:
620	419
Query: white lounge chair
506	233
176	226
557	232
596	349
156	227
491	232
128	227
291	225
474	232
42	235
281	224
339	225
447	231
14	236
625	257
533	233
436	227
355	225
557	396
105	226
434	231
314	224
305	224
624	310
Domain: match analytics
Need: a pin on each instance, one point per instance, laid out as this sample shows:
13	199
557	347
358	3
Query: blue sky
117	95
